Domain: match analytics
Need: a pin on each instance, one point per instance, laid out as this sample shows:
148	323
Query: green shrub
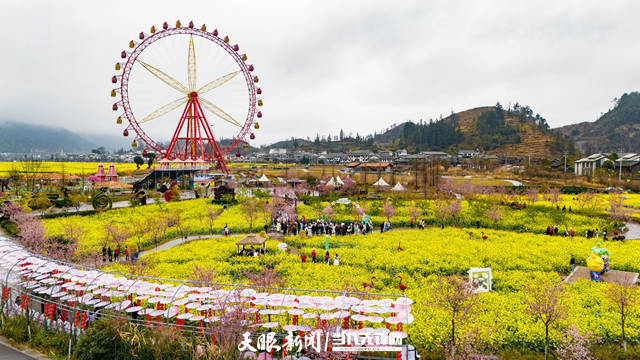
15	328
100	341
9	227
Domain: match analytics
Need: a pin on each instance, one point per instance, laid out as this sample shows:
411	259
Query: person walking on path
572	262
335	260
313	255
327	257
126	253
104	254
110	254
116	253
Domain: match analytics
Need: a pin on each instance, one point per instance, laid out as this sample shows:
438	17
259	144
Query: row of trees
545	302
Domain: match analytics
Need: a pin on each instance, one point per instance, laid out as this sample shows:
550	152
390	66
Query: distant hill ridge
618	130
18	137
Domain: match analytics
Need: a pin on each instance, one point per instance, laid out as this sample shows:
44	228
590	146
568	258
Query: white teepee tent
380	182
339	181
398	187
263	178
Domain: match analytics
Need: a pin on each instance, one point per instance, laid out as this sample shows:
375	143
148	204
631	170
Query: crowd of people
321	227
113	255
569	232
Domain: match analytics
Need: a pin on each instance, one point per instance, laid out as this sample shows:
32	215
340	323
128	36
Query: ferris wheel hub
193	94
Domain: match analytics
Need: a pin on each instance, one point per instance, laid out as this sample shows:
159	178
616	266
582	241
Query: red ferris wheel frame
246	70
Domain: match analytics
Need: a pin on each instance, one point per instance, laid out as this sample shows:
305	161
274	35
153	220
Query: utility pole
620	174
565	164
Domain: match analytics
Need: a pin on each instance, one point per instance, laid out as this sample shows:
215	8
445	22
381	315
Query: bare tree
30	170
251	209
625	299
546	302
211	218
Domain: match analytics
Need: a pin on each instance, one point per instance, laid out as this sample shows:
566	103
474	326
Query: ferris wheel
150	100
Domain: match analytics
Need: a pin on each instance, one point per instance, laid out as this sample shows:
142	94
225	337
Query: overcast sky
326	65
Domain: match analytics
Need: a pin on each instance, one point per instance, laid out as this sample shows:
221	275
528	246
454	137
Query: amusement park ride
193	141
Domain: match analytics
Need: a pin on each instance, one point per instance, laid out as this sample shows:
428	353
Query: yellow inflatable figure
595	262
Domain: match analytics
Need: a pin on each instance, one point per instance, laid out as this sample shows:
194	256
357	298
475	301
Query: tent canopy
339	181
263	178
398	187
380	182
331	182
251	239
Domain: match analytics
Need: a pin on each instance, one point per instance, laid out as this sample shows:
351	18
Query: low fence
70	297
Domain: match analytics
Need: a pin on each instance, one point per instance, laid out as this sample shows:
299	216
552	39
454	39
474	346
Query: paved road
634	231
7	352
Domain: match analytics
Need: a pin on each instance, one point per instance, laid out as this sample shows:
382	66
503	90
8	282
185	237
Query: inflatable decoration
598	262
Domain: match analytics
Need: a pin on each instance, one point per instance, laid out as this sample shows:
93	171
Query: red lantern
258	91
115	107
215	32
114	79
259	114
123	54
191	24
165	25
252	136
250	67
236	47
125	132
141	36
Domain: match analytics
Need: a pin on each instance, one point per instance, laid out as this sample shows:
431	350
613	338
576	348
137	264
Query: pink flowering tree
414	213
576	346
349	187
328	212
625	299
495	214
456	296
388	210
447	209
532	194
616	209
546	303
554	196
358	212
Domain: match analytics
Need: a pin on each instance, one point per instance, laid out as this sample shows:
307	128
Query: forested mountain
618	130
24	138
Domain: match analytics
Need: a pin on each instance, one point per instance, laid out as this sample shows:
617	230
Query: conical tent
263	178
380	182
398	187
339	181
331	183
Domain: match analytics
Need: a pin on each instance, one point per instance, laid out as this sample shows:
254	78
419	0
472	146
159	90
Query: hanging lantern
255	79
125	132
245	146
114	79
226	39
134	144
191	24
259	114
141	36
256	126
113	93
204	27
215	32
132	44
119	120
238	153
165	25
260	102
117	66
252	136
244	57
115	107
258	91
144	152
153	29
178	24
250	67
236	47
123	54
